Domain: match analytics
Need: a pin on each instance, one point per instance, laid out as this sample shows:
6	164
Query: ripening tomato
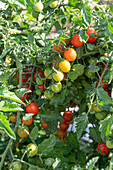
61	133
65	66
67	116
95	107
13	118
101	115
91	39
106	54
59	47
24	78
38	6
32	108
44	124
58	75
48	94
70	54
72	103
32	149
75	41
53	4
8	60
64	125
103	85
22	133
56	87
102	148
28	122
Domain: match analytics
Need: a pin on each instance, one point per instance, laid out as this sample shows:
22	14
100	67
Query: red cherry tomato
41	87
103	85
32	108
61	133
59	47
24	78
44	124
41	73
67	116
91	39
102	148
72	103
64	125
29	71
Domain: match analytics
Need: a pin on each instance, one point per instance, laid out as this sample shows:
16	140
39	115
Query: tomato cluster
67	117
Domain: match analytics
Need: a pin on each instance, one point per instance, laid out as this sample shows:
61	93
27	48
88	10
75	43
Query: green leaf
9	95
78	70
86	12
21	3
72	140
95	134
34	133
79	51
111	9
47	145
81	157
30	38
105	126
4	124
9	107
30	2
91	163
57	25
22	91
90	46
111	163
52	125
81	124
6	50
110	28
104	96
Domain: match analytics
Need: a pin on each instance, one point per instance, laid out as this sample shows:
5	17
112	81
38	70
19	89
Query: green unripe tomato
16	165
48	94
58	75
49	161
38	92
32	149
56	87
38	7
101	115
48	73
53	4
35	14
39	81
109	142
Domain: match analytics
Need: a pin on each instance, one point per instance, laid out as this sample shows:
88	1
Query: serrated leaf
47	145
81	124
8	107
104	96
4	124
78	70
34	133
95	134
52	125
105	126
86	12
9	95
91	163
30	38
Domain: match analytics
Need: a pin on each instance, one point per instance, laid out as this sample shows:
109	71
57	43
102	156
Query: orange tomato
28	122
106	54
22	133
70	54
56	63
65	66
75	41
44	124
13	118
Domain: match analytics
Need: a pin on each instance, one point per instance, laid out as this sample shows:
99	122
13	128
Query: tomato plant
48	94
101	115
102	148
58	75
61	133
91	39
32	108
65	66
24	78
103	85
56	87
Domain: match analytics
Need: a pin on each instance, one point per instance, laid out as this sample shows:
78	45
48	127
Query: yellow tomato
65	66
96	107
